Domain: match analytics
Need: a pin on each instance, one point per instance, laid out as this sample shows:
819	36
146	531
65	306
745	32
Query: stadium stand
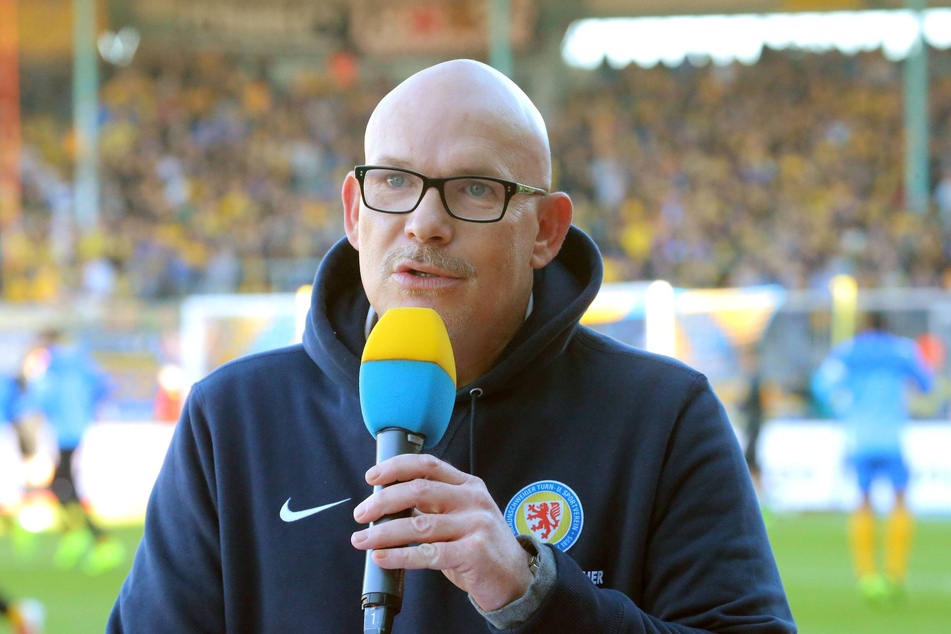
219	175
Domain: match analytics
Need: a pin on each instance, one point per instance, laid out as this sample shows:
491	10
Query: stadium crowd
219	174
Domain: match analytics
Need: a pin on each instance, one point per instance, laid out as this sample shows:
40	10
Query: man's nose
430	221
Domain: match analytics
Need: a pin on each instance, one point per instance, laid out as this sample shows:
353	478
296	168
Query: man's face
478	277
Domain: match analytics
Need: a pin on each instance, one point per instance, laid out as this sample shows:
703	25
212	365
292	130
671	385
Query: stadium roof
448	27
648	41
632	8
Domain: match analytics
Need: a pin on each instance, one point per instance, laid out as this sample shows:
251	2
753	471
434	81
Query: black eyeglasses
472	198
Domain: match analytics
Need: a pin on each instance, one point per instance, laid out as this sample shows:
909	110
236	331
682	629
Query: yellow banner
10	191
46	28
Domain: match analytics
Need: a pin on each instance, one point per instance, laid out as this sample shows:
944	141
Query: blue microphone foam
414	395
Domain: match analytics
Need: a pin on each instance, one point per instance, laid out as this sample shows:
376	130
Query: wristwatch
533	557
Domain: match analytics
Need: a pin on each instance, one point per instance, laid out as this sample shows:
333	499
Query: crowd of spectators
788	171
219	174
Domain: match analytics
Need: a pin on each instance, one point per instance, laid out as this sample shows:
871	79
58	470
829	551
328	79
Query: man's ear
554	218
350	193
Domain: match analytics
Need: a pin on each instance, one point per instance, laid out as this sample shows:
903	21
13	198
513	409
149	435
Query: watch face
533	564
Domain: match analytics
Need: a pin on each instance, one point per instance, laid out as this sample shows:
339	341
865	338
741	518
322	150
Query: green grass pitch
75	603
815	564
811	551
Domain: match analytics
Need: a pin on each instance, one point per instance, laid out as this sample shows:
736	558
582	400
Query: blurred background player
67	387
753	409
865	380
12	455
25	616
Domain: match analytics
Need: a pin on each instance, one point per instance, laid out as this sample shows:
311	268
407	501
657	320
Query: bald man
581	486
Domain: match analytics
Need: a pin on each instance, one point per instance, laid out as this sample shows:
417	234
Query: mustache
430	256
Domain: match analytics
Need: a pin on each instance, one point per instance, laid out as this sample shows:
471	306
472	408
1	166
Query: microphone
407	391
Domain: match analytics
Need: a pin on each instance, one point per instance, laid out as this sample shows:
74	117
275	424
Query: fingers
480	557
424	495
455	526
412	467
421	557
447	506
422	482
440	542
422	528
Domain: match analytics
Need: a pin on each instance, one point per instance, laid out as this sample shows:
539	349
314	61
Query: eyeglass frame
512	188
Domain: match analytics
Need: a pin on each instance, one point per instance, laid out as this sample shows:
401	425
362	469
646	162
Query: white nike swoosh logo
292	516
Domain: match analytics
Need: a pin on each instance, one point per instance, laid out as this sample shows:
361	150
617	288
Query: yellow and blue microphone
408	374
407	392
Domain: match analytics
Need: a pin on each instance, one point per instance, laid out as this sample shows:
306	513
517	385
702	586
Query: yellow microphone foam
411	334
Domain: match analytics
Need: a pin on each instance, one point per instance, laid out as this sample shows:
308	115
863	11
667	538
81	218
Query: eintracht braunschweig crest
548	510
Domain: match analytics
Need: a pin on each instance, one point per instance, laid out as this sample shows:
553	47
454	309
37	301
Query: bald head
452	120
461	98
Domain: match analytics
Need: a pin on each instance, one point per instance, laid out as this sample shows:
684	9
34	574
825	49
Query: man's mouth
428	263
413	268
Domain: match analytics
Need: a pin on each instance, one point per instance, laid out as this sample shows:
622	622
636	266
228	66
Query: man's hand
455	522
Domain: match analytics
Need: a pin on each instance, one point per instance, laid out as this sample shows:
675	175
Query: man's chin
415	299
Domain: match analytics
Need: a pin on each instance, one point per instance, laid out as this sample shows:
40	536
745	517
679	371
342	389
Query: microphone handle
383	588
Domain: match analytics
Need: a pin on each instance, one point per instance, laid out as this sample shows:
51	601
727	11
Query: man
12	455
25	616
618	467
753	409
67	387
865	380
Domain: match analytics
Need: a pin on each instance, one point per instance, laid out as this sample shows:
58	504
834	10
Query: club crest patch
548	510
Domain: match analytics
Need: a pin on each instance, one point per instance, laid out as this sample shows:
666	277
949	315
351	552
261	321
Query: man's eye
396	180
477	189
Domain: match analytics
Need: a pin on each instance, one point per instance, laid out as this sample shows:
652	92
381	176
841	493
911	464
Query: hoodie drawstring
474	394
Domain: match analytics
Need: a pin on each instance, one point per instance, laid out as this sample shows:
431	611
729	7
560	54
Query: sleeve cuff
519	611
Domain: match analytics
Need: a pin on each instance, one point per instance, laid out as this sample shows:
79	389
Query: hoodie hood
334	334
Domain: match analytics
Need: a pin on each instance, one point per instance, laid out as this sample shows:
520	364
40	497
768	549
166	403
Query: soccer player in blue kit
866	380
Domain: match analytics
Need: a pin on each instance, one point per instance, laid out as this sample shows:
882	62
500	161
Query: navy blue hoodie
623	462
